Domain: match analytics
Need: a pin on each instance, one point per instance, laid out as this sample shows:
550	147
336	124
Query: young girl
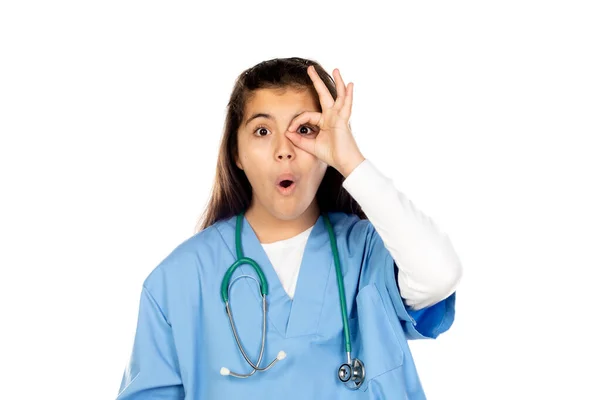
288	291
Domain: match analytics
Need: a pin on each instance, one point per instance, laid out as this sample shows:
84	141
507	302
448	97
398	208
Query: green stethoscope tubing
340	282
263	282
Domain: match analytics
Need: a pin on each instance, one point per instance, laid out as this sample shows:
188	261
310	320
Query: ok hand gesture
334	143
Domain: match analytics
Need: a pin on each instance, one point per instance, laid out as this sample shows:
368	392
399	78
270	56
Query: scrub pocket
375	341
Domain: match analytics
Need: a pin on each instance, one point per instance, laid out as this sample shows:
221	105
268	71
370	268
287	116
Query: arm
428	268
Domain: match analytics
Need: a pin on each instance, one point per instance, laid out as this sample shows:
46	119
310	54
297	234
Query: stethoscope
351	373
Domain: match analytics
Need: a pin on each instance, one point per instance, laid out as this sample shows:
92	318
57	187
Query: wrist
349	166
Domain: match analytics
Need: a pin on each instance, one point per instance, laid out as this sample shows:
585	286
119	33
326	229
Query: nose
284	149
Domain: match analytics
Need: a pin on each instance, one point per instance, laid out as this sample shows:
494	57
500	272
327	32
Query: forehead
284	101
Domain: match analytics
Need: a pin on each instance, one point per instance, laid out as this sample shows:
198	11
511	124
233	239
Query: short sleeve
153	370
426	323
431	321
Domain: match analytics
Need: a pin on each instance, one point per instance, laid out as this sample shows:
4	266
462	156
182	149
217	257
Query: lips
285	179
286	183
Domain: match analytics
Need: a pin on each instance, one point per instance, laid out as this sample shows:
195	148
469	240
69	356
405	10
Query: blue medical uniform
183	336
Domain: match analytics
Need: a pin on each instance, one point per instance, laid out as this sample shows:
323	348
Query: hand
334	143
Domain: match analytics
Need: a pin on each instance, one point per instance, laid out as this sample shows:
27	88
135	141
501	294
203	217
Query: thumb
301	142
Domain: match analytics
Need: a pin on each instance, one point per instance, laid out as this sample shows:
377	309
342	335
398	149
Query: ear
238	163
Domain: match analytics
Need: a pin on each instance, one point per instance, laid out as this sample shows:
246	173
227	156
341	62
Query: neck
268	228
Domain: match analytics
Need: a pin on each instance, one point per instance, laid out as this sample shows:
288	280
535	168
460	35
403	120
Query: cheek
247	156
254	168
317	171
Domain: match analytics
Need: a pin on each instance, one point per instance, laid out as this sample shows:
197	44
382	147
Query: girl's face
266	155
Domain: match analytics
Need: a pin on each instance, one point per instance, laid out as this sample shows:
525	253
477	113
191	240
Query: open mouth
286	187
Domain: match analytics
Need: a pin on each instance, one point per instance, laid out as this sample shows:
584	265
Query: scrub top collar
291	318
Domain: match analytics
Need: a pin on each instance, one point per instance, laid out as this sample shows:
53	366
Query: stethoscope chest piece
352	375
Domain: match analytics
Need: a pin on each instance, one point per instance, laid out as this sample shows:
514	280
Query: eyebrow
264	115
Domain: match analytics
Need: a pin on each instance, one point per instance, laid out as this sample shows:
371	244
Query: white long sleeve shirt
428	268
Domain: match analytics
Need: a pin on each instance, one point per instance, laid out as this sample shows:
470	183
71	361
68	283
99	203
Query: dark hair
231	192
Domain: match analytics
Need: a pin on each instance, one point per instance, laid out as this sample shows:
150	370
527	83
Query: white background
486	115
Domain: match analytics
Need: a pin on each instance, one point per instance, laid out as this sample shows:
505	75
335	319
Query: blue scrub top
183	335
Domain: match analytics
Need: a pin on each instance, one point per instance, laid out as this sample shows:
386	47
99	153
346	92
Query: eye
313	130
259	128
302	128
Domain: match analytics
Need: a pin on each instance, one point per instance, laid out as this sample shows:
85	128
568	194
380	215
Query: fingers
341	89
347	108
325	97
307	144
342	102
307	117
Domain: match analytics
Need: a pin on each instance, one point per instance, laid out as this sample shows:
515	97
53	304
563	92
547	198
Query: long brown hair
231	192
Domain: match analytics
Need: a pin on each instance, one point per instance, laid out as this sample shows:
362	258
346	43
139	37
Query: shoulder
351	230
350	224
185	260
344	222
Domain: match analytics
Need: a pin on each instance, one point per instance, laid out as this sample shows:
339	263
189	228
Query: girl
288	290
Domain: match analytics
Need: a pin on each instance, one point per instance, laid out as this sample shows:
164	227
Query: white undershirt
428	268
